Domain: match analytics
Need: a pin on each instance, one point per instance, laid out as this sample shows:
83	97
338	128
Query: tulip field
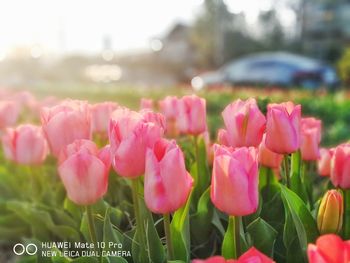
245	175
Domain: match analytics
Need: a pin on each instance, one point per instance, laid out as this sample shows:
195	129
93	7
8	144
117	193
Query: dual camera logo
20	249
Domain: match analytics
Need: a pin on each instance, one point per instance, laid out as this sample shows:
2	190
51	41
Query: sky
81	25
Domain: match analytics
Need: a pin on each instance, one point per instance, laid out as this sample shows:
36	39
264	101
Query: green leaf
201	221
180	236
155	250
299	223
111	237
41	222
296	183
263	236
200	170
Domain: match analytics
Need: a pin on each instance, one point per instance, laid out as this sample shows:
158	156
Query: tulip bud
324	162
330	213
283	127
165	168
245	124
84	170
130	134
100	115
25	145
340	166
269	158
329	249
65	123
192	117
310	139
234	185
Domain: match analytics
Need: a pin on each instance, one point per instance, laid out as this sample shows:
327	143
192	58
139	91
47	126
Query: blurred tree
344	67
271	30
219	35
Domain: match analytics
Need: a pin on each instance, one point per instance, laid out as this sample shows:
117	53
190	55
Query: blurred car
271	68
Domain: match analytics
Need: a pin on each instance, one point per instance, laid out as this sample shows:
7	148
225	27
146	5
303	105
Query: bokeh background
124	50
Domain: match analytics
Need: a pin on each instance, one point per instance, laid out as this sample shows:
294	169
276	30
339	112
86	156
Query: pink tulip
154	117
146	104
130	134
310	139
251	256
222	137
84	170
100	115
65	123
165	168
9	113
191	117
245	124
283	127
25	145
234	185
269	158
168	107
340	166
329	249
324	162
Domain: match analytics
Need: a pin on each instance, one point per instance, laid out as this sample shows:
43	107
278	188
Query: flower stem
346	220
140	229
237	235
91	225
169	242
286	170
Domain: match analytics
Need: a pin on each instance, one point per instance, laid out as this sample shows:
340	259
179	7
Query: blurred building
326	28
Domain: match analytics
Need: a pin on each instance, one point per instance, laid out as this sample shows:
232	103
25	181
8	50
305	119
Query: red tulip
191	117
100	115
283	127
25	145
269	158
310	139
235	177
254	255
324	162
340	166
84	170
130	134
245	124
146	104
165	168
251	256
214	259
65	123
329	249
9	113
